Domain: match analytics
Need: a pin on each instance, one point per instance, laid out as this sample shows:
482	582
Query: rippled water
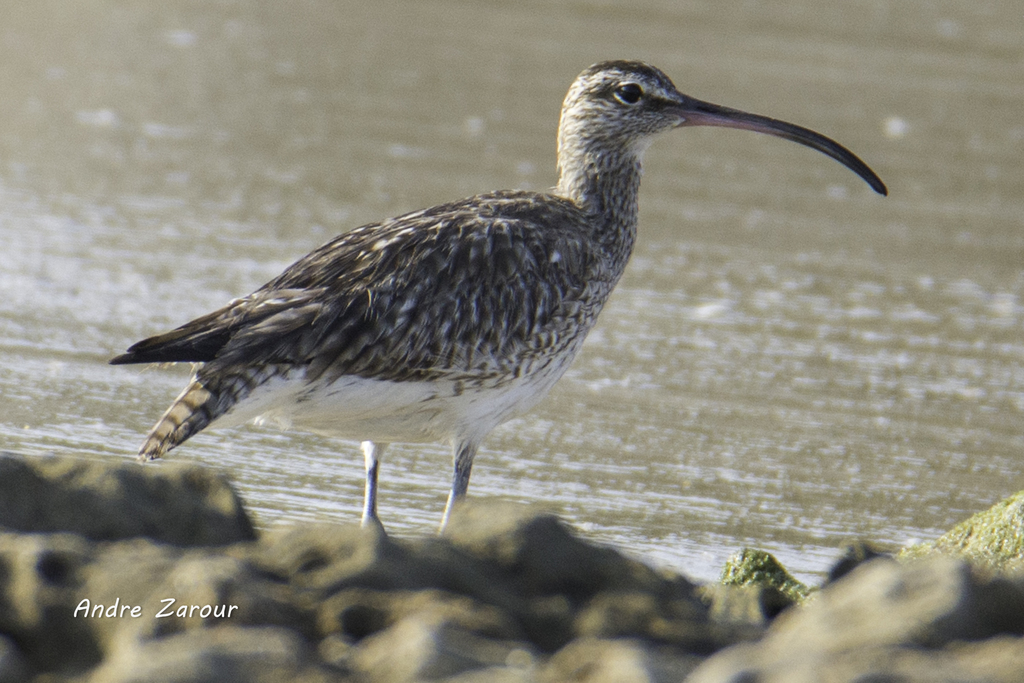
790	361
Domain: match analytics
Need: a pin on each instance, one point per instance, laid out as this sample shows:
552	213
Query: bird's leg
464	452
372	452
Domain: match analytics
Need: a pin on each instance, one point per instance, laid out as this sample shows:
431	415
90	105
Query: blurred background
790	362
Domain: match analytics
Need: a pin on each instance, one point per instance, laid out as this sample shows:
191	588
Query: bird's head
615	108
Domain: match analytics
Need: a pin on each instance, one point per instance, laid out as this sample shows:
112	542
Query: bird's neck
605	185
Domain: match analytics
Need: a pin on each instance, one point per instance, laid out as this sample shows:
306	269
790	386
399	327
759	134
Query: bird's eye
629	93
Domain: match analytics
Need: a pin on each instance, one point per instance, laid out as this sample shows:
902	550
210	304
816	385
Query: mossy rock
993	538
751	567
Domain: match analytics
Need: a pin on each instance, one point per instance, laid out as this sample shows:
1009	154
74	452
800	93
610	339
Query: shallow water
790	361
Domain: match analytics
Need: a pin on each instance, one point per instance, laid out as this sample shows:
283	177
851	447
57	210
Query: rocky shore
115	572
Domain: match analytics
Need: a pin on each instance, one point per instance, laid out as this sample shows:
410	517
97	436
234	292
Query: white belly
391	412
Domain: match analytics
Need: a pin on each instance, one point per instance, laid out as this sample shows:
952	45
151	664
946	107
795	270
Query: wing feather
473	286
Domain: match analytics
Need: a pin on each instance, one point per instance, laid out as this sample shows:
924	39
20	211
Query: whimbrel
440	324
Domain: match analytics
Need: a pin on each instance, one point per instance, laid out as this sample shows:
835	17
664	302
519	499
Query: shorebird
441	324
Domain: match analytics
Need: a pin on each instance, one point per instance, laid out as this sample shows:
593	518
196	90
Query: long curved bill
694	112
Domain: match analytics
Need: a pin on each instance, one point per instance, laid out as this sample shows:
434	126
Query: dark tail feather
184	345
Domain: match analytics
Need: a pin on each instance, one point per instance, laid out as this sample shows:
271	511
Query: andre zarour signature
85	608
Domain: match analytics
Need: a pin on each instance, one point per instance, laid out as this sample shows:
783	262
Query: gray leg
372	453
464	452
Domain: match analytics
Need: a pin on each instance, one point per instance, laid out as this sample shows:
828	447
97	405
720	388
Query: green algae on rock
993	538
759	568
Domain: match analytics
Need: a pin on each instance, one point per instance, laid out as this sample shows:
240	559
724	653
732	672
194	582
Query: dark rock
853	556
509	596
429	646
210	590
750	606
122	574
542	557
323	558
176	590
438	563
358	613
40	576
596	660
495	674
927	604
537	581
13	667
362	580
889	622
224	654
653	616
183	505
560	576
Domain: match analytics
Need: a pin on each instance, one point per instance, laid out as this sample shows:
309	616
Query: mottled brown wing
476	285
